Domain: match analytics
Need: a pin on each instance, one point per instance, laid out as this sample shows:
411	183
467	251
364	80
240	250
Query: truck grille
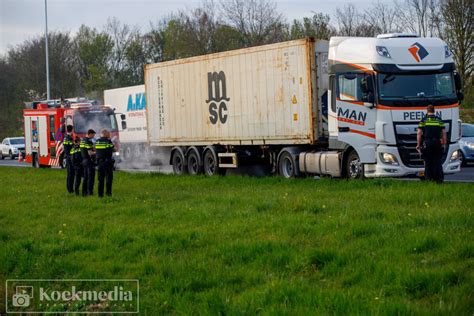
405	135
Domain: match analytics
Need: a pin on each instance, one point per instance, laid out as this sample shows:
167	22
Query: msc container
254	96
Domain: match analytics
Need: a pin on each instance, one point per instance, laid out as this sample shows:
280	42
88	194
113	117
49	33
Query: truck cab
379	89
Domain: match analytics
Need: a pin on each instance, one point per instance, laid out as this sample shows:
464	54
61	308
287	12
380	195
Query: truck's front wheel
177	161
354	169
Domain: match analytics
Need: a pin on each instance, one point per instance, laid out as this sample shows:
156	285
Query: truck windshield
416	86
96	121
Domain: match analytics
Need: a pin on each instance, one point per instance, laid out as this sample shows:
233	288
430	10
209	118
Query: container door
28	149
43	135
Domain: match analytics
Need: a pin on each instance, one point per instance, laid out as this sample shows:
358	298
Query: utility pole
48	92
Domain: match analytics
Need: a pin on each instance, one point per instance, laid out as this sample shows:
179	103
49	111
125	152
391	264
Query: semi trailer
348	107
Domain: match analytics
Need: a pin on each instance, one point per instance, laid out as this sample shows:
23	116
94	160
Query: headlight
116	153
388	159
383	51
14	149
455	156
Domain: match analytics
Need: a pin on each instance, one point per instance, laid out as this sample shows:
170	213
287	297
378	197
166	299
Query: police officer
431	138
76	158
88	163
104	149
67	145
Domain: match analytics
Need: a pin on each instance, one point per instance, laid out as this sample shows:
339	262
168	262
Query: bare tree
459	34
258	21
352	23
381	17
419	16
316	26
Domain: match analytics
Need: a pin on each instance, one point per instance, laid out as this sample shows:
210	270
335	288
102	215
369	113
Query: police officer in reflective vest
67	145
431	138
88	163
76	158
104	149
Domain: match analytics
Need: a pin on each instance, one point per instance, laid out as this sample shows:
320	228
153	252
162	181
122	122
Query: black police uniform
104	149
432	151
67	144
89	167
76	158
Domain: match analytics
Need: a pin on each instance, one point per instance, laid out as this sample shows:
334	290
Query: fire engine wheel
354	169
287	165
35	162
193	163
177	161
211	164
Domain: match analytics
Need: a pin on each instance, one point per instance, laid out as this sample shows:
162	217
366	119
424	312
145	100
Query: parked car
12	146
466	143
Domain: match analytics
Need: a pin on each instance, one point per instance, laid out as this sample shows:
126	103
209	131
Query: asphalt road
466	174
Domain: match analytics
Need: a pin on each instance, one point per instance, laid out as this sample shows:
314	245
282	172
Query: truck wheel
211	164
193	163
178	163
354	169
10	154
287	165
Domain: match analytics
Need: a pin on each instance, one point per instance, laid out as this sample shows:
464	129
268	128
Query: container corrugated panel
258	95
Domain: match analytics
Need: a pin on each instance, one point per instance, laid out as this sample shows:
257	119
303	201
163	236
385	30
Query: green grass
238	245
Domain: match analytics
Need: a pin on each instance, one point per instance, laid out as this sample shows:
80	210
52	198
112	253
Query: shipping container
255	96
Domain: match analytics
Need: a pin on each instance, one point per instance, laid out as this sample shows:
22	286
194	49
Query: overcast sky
24	19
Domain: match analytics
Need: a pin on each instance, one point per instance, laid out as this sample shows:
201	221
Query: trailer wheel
193	163
287	165
211	164
177	160
354	169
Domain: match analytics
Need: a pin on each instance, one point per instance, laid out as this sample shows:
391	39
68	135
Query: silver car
12	147
467	143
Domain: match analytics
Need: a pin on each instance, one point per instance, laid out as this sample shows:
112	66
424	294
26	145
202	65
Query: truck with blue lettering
349	107
131	102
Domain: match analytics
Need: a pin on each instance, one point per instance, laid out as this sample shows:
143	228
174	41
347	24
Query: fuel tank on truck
254	96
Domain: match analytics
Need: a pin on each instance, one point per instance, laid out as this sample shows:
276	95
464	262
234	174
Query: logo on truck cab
217	99
418	51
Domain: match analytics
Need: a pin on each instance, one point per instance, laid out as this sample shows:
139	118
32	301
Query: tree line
94	59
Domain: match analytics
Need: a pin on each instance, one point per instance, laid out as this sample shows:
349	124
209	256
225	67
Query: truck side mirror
457	81
122	117
124	124
366	85
460	96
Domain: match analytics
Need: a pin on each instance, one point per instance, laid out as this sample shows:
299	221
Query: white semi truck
349	107
131	101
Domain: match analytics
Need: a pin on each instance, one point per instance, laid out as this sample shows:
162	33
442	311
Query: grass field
238	245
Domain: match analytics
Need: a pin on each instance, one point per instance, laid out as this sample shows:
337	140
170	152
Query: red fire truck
45	124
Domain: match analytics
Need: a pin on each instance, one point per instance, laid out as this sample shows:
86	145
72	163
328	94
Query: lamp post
48	92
